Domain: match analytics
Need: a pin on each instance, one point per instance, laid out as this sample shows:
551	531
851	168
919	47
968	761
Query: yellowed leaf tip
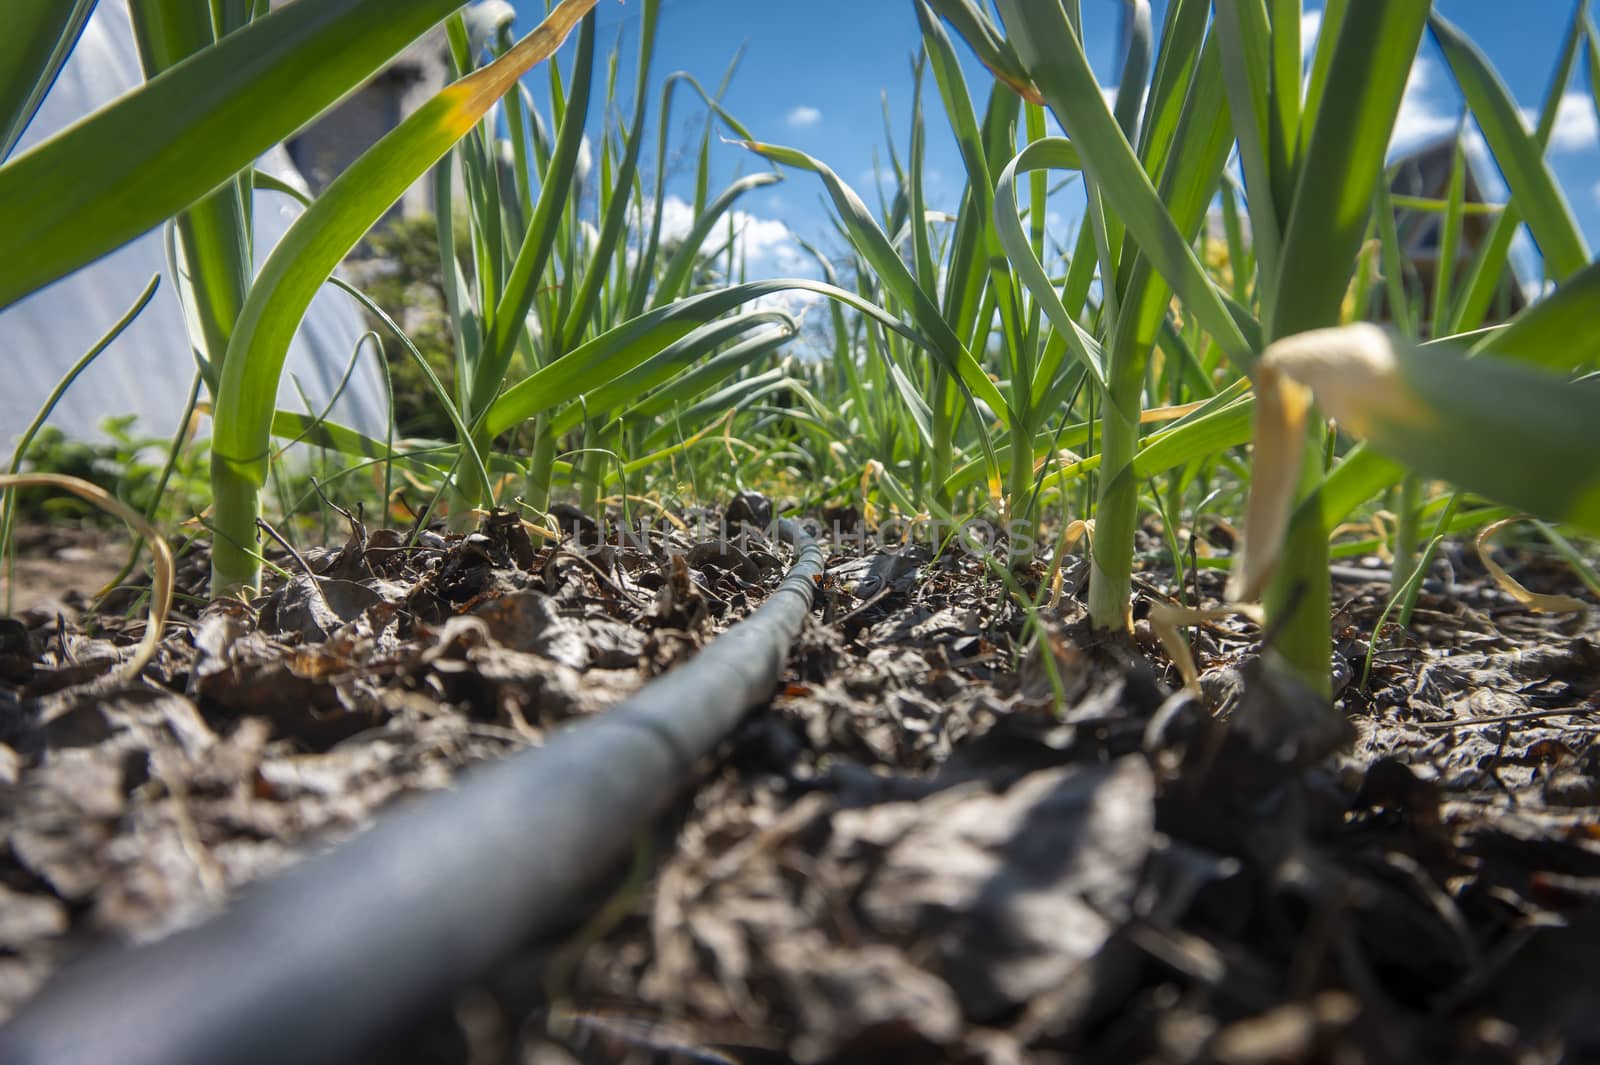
1283	406
1168	620
162	584
1535	601
1353	371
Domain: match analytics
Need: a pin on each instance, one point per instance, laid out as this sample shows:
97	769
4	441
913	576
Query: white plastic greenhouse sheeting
147	371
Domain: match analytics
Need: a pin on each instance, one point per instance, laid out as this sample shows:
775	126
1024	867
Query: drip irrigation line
312	966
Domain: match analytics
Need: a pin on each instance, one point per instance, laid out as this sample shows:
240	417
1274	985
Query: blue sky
814	72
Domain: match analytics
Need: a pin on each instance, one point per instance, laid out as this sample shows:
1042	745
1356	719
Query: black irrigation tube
311	966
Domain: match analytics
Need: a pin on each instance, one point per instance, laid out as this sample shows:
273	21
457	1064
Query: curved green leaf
1180	53
7	499
1058	154
1593	33
646	266
1560	332
672	359
440	393
620	349
93	187
1227	426
688	385
1362	474
1244	35
738	395
989	45
1507	430
305	428
1511	432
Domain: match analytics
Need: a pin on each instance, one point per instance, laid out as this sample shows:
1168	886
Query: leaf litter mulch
937	844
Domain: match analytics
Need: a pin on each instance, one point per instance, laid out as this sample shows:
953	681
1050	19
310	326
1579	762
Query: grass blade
8	505
645	269
1283	110
1344	158
1560	332
39	36
1593	33
672	360
875	246
1243	32
713	371
1486	277
1518	154
509	319
990	46
1054	153
737	396
215	232
611	227
306	257
1068	83
1449	240
442	394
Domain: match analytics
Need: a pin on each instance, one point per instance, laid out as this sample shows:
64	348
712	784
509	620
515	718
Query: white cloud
764	243
585	161
1310	26
1428	112
1423	116
677	218
794	302
1596	192
763	240
1577	127
803	117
